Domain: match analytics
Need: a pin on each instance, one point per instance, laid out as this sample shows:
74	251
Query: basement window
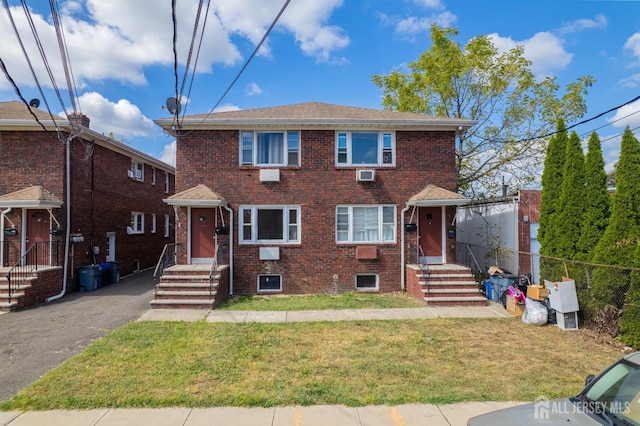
269	283
367	282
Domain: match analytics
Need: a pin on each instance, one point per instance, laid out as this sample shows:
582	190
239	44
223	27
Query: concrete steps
450	286
185	289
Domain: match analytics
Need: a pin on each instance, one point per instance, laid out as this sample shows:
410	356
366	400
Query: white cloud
578	25
429	4
123	119
633	44
544	50
631	82
252	89
628	115
168	154
227	107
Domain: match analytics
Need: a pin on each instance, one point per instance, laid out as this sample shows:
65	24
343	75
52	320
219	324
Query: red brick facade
102	197
318	263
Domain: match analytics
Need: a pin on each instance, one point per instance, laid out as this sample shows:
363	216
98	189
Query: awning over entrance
34	197
433	195
199	196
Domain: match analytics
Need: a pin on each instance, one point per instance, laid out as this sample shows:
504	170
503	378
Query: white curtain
270	148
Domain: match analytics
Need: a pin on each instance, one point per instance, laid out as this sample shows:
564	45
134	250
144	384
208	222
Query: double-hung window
278	148
269	224
366	224
365	148
137	223
137	170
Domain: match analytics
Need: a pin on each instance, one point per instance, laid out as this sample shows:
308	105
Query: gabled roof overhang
34	197
433	195
198	196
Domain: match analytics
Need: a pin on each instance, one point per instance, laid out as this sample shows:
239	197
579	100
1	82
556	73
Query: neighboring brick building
115	198
314	197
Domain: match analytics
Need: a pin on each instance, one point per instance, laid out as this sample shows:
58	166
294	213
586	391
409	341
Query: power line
246	64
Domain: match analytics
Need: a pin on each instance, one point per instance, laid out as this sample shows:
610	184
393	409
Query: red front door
38	227
203	231
430	232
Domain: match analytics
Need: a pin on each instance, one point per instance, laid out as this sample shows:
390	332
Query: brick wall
211	158
102	197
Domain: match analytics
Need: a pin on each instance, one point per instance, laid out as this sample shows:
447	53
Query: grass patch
356	363
319	302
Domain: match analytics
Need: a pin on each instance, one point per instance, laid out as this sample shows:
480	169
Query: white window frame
166	183
137	222
153	176
269	290
137	168
153	223
166	226
377	286
251	150
386	148
251	226
342	210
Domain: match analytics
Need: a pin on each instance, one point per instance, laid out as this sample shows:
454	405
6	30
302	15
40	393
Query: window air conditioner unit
368	175
269	175
131	174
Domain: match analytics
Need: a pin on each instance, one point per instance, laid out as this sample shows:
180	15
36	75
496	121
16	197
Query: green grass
319	301
355	363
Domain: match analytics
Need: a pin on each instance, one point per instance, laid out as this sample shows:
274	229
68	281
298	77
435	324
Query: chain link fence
601	289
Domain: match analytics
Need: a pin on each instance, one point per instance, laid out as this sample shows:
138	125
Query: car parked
612	398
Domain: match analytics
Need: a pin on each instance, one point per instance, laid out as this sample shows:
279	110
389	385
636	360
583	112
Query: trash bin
107	276
115	272
89	276
499	283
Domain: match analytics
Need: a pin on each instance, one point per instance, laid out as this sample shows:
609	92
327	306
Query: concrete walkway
318	415
492	310
334	415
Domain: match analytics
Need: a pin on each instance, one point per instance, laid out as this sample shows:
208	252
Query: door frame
443	247
190	229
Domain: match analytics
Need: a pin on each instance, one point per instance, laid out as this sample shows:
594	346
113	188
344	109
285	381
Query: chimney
80	118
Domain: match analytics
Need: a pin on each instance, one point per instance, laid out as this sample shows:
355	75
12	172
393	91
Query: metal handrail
36	255
214	270
169	257
424	267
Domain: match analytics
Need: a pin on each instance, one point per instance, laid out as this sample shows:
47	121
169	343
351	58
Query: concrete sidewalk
319	415
492	310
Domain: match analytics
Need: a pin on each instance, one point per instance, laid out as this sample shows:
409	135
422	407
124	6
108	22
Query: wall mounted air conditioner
269	253
269	175
365	175
130	174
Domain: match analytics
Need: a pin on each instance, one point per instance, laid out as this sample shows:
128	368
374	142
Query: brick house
109	210
314	198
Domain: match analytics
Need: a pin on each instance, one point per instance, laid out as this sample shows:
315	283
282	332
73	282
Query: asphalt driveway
35	340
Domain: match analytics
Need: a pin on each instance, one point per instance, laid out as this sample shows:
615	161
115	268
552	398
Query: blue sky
321	50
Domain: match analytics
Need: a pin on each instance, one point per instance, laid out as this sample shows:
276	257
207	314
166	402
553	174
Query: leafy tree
570	209
618	243
597	198
496	89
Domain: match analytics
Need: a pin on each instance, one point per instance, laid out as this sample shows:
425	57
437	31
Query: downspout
68	222
402	265
2	216
227	208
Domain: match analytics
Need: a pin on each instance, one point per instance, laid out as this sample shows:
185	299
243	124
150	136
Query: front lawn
180	364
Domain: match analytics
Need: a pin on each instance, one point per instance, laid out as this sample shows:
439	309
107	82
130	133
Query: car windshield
618	392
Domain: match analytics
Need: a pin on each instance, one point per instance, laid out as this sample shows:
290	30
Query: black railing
424	267
169	257
38	255
465	256
213	271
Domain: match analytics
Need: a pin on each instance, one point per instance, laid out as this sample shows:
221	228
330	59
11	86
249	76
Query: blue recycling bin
499	283
89	276
107	276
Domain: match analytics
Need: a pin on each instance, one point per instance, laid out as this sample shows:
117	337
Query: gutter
227	208
68	223
3	215
402	265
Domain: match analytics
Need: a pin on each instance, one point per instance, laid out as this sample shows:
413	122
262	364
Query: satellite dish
173	106
35	103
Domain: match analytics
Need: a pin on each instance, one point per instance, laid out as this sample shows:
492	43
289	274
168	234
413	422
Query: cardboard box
515	309
537	292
